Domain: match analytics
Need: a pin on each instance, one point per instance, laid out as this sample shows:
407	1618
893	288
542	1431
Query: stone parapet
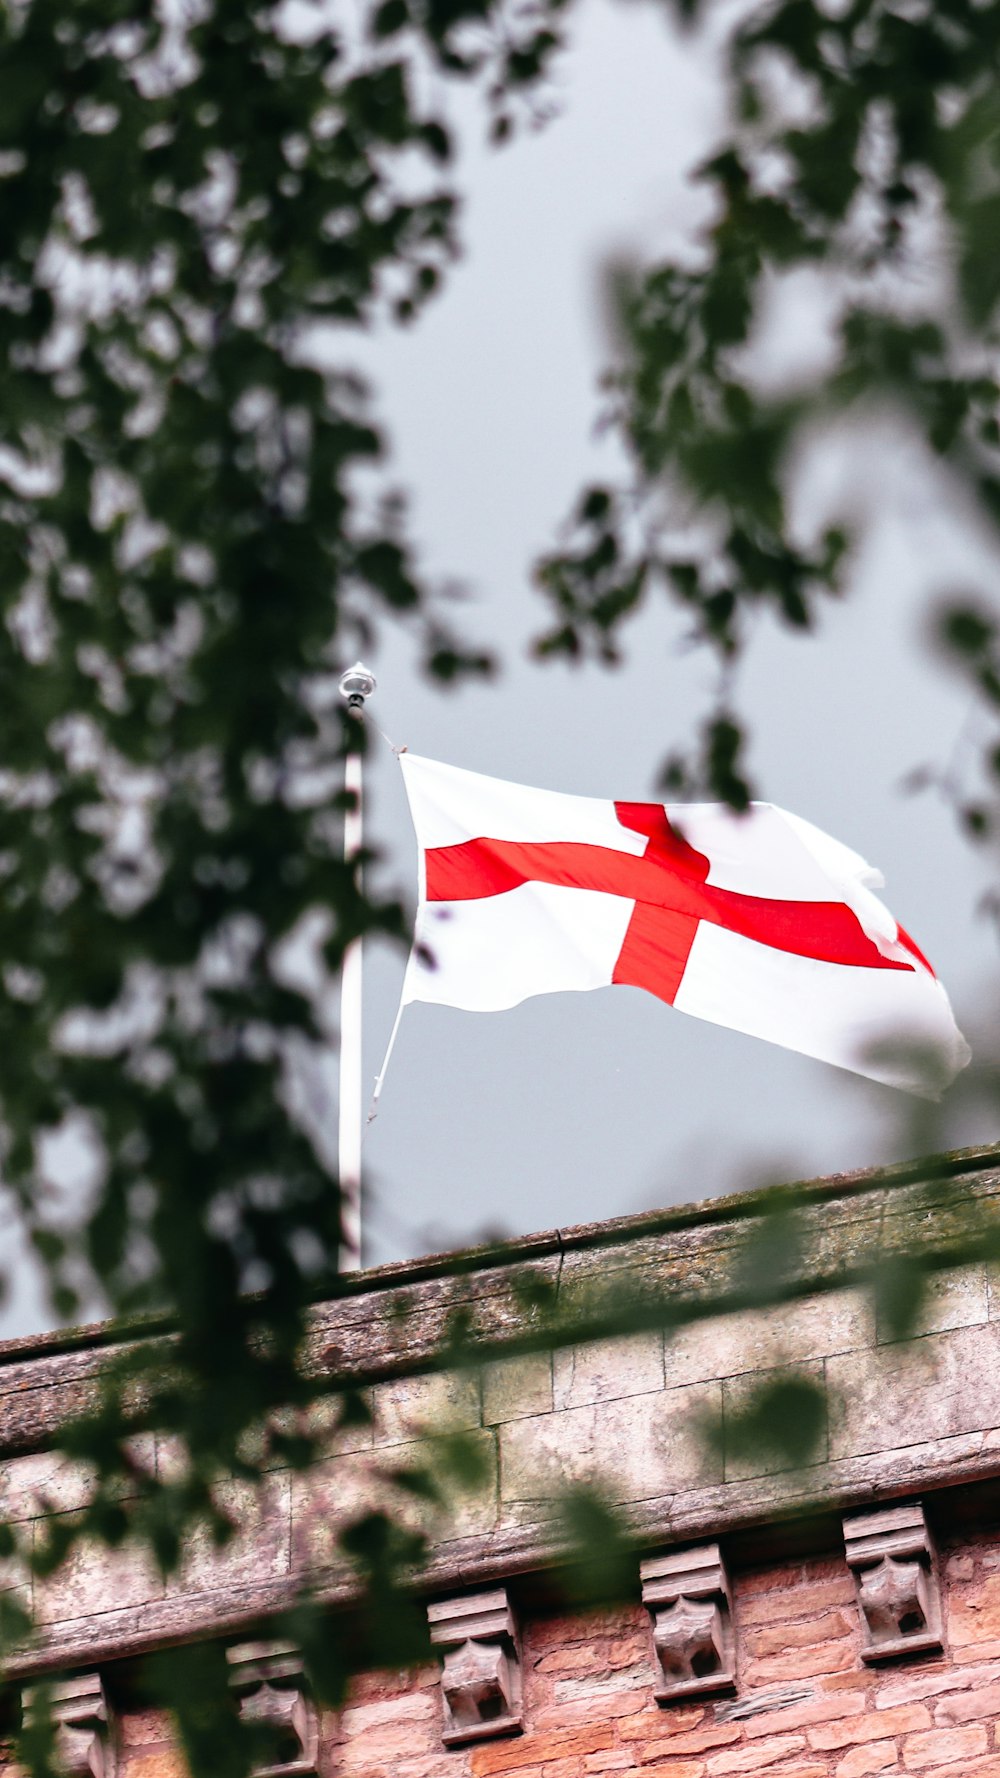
646	1414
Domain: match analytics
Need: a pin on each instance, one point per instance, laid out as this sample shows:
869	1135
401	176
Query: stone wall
648	1415
806	1705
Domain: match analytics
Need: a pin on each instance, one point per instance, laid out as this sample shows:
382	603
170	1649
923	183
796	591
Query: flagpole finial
356	685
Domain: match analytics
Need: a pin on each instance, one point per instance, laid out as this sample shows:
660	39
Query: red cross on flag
760	922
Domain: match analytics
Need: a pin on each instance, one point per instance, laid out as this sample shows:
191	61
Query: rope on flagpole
390	743
394	1033
397	1021
380	1076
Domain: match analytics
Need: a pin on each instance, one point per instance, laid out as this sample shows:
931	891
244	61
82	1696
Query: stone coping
520	1249
628	1410
598	1279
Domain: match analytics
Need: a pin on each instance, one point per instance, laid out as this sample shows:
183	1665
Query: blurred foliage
861	158
200	202
783	1420
601	1559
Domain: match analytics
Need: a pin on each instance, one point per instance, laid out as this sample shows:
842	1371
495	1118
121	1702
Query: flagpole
356	685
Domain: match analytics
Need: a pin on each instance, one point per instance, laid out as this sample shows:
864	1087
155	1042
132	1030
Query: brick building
824	1622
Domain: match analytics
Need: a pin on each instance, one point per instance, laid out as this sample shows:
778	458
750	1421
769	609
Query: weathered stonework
894	1563
845	1616
689	1597
84	1741
481	1678
271	1692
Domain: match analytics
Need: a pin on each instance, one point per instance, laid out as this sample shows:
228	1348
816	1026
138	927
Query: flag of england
760	922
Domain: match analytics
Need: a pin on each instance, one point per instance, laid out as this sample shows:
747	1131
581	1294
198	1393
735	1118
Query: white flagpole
356	685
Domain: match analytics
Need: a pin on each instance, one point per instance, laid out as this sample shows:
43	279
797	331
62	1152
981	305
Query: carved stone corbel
269	1684
687	1594
892	1557
481	1679
85	1746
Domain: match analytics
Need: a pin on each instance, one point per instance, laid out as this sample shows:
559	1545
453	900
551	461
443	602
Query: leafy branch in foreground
861	168
195	530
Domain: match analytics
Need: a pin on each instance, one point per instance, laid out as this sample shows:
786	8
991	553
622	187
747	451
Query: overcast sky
583	1106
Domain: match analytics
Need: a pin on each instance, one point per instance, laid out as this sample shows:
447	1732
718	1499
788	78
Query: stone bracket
269	1684
481	1678
688	1596
894	1563
85	1746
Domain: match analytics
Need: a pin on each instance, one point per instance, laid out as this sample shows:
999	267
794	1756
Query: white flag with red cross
760	921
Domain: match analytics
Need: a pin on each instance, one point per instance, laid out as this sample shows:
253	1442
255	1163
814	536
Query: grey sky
591	1105
583	1106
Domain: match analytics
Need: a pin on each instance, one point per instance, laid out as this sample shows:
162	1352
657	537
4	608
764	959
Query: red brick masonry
589	1709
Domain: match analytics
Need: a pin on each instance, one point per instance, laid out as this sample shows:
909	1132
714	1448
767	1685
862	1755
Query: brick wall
908	1421
589	1709
806	1706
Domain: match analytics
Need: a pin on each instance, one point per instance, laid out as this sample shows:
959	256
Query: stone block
387	1750
638	1448
467	1512
595	1658
85	1745
858	1762
322	1422
143	1728
796	1599
969	1706
481	1681
417	1709
803	1663
895	1568
755	1758
95	1579
260	1547
688	1595
46	1482
165	1763
915	1392
974	1618
988	1767
928	1752
906	1719
714	1734
409	1408
777	1639
604	1370
764	1339
800	1716
328	1495
653	1725
957	1298
539	1750
923	1681
516	1388
613	1692
272	1698
738	1393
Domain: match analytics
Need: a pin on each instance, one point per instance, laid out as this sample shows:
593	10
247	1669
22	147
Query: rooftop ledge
885	1189
555	1398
